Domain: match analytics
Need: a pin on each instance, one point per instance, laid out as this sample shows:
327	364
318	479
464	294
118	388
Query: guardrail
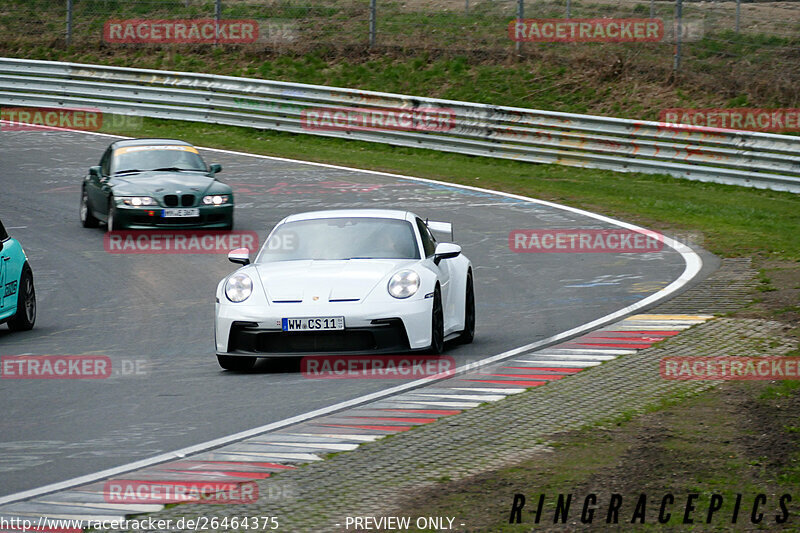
706	154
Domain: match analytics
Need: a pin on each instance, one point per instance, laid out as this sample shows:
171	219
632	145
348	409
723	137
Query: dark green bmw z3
155	183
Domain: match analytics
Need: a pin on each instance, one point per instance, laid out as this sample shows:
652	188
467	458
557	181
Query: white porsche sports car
355	281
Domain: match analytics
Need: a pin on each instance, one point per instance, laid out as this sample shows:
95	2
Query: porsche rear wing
443	227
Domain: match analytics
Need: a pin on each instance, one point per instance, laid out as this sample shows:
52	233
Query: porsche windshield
167	157
341	238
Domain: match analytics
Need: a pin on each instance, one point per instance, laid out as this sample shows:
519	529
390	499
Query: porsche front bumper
381	328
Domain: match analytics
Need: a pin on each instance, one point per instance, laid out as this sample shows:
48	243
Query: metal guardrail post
69	22
738	13
217	18
678	35
373	22
520	16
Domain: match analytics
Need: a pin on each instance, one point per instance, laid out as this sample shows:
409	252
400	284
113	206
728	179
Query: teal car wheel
25	317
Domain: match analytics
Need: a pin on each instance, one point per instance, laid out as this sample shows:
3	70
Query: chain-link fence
759	32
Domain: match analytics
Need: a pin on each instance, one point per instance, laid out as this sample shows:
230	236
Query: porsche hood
312	281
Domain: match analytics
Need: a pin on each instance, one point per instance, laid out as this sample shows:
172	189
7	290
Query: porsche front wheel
468	334
437	323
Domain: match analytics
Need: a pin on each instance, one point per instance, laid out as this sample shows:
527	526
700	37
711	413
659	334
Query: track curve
158	309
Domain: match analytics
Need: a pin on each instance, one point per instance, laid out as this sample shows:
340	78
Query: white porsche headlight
238	287
404	284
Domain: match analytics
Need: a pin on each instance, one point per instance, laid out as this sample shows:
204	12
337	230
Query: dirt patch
778	294
766	424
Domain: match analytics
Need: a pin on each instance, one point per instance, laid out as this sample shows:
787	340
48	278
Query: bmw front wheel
87	219
112	214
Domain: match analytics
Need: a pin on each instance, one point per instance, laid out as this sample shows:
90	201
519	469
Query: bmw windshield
130	159
341	238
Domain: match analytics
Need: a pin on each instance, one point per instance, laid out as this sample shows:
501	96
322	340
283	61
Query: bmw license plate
177	213
329	323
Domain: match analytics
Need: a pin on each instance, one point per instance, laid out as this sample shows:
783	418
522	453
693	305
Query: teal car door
5	259
19	311
2	279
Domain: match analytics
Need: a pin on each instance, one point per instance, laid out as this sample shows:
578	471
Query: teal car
155	183
17	295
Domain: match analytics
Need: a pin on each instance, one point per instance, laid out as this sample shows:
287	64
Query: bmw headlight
238	287
404	284
138	201
215	199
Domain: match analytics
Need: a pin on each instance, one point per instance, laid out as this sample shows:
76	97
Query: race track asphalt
155	311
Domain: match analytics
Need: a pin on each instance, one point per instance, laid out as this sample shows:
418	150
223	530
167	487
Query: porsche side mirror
446	250
240	256
214	168
94	172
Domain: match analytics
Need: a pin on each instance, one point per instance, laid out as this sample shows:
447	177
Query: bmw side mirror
446	250
240	256
94	172
214	168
